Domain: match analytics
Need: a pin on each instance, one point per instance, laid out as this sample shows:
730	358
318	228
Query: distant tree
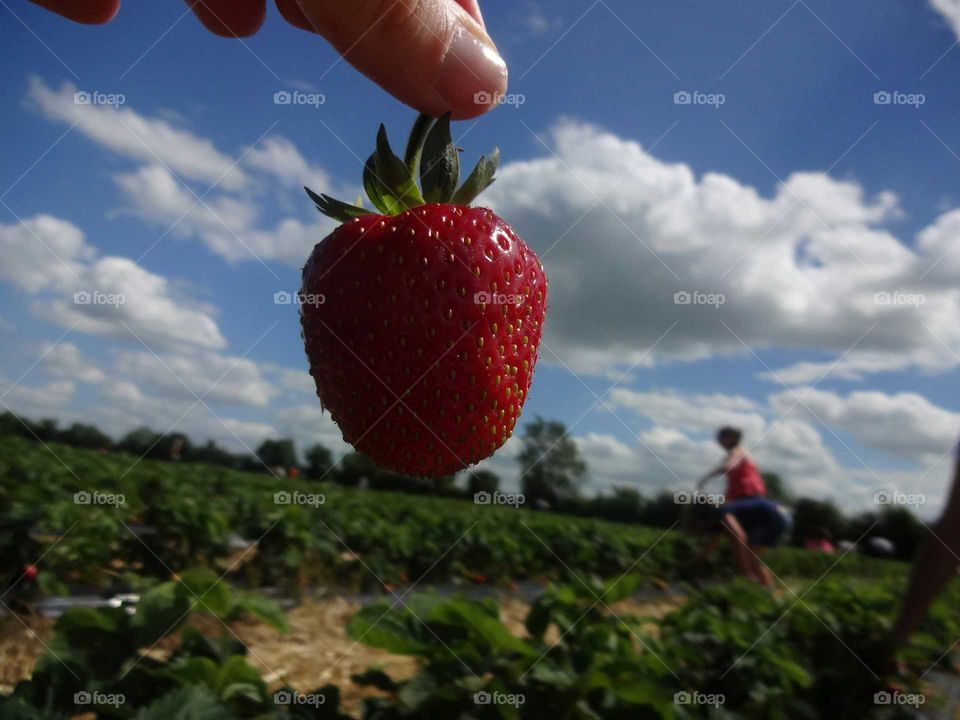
175	446
901	526
662	511
810	514
550	464
622	505
355	469
45	430
10	424
861	526
278	453
443	485
86	436
482	481
776	487
139	441
212	454
319	461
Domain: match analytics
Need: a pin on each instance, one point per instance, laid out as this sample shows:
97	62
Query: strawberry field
200	544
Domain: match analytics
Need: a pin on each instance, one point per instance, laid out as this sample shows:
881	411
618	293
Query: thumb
431	54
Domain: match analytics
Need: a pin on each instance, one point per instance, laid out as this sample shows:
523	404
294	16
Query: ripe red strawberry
422	320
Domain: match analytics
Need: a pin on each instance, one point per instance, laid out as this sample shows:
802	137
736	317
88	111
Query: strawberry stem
391	184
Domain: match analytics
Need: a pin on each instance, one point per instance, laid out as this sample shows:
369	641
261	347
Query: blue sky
799	199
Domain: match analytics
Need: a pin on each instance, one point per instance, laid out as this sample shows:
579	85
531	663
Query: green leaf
417	691
418	134
390	628
205	590
475	617
160	612
264	608
192	703
620	588
381	199
440	165
479	180
394	176
333	208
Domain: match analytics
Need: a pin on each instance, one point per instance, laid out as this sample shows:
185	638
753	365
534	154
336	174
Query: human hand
434	55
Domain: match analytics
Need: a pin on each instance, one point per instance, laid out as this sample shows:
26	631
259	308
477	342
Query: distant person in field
935	565
753	521
819	540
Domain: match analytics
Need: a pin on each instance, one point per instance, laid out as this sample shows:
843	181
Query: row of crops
105	519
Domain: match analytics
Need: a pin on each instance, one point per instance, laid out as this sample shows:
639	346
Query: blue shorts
761	519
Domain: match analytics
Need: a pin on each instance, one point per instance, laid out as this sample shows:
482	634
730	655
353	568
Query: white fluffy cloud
621	233
50	259
126	132
35	400
950	9
699	413
66	360
226	219
207	375
229	226
905	425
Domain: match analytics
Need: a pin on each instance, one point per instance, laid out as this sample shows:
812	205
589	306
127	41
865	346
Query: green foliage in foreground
106	661
117	515
731	651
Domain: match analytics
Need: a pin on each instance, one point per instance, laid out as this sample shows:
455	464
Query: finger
473	9
92	12
292	13
431	54
230	18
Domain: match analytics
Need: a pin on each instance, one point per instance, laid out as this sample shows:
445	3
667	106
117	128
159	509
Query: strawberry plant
100	661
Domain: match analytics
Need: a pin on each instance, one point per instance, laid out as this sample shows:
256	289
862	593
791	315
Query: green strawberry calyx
391	182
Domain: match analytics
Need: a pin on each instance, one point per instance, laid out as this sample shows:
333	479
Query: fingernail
473	73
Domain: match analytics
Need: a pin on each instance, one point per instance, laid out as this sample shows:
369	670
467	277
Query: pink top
743	480
819	545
